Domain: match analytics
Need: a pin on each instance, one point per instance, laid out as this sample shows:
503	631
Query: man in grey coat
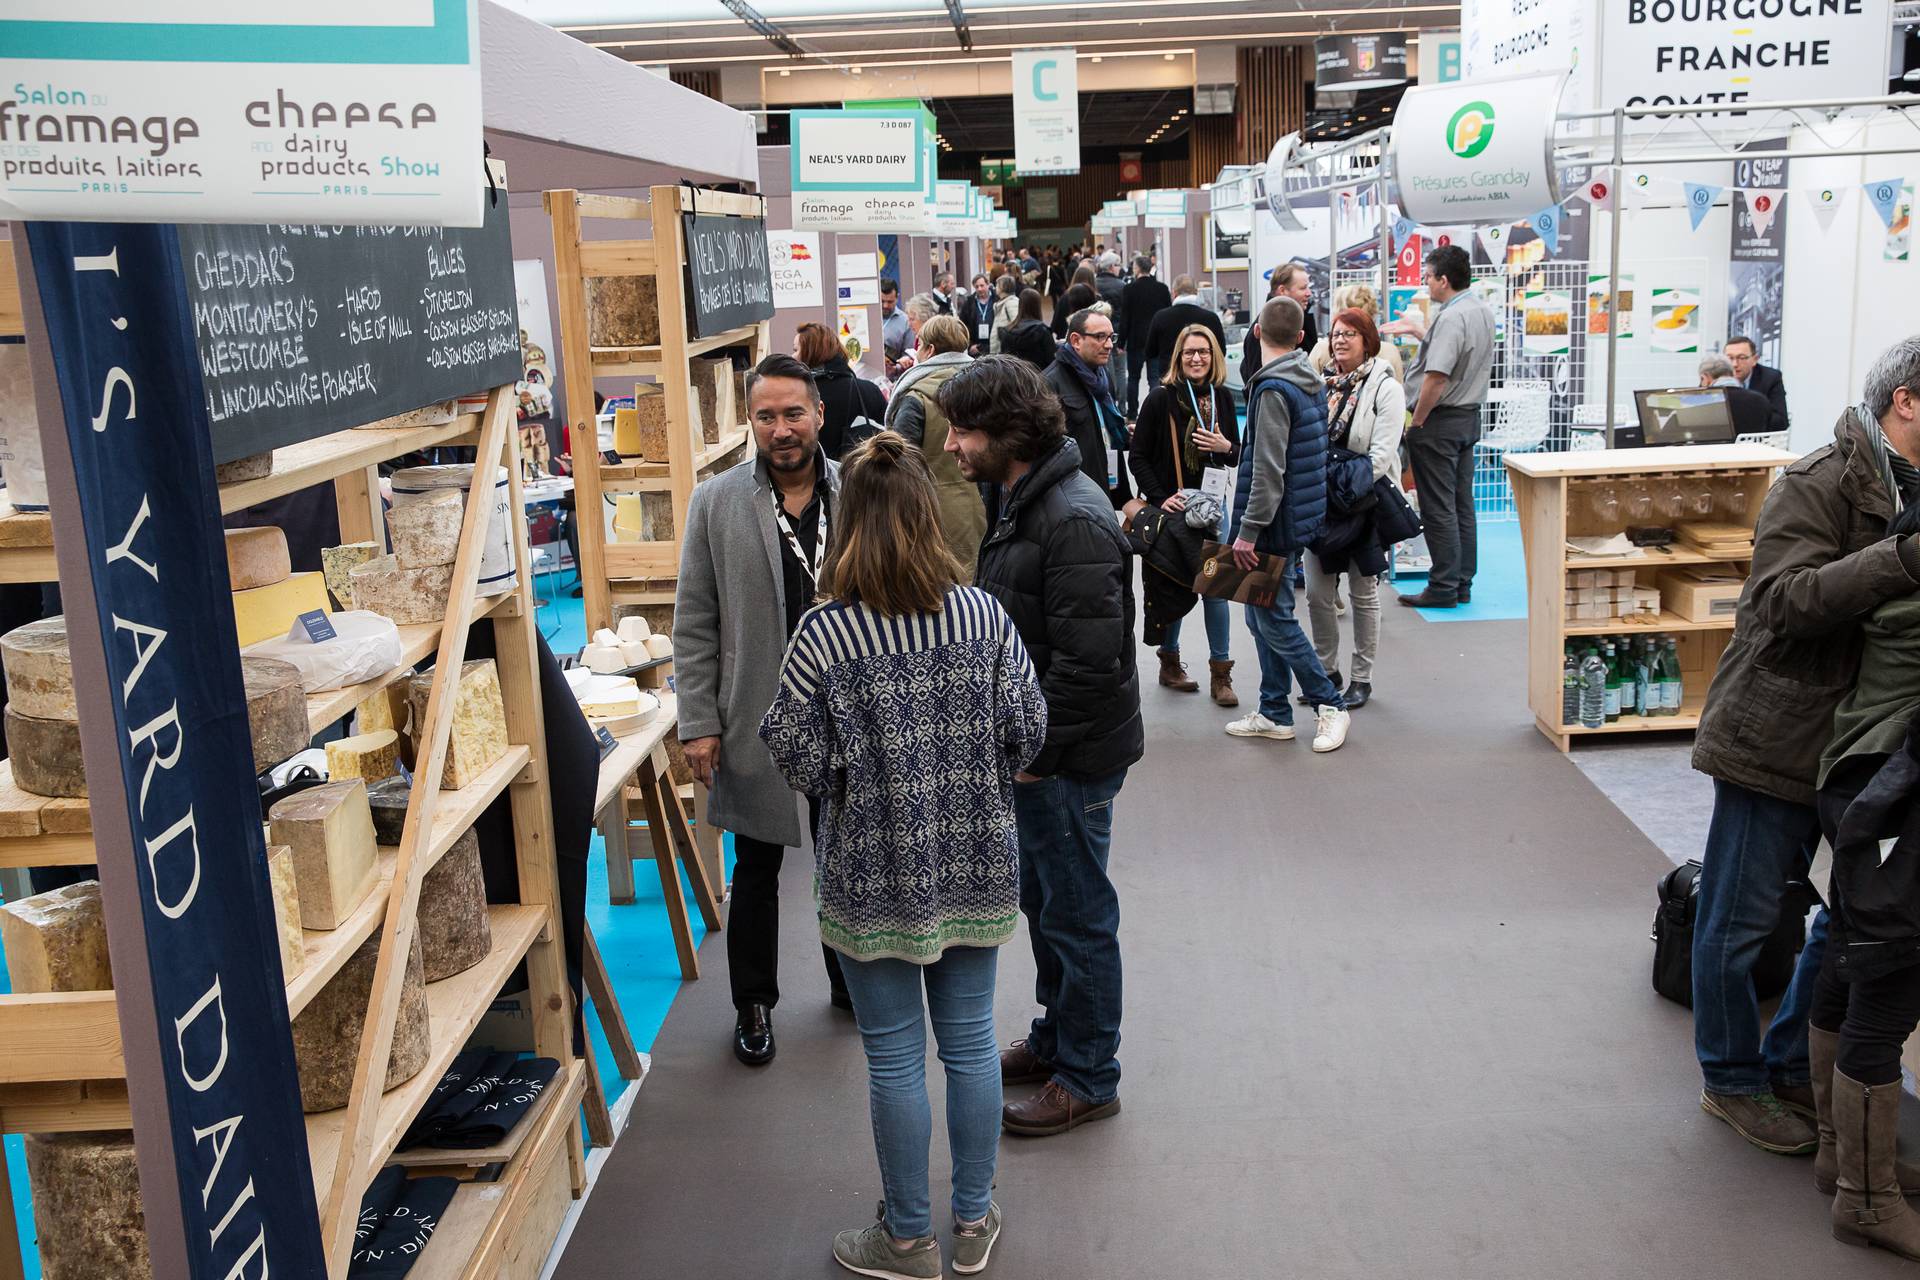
749	567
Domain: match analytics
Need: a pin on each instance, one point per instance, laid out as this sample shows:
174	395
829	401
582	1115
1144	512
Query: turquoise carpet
1499	586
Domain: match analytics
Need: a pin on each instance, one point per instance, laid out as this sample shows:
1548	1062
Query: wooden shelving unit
63	1068
638	573
1552	494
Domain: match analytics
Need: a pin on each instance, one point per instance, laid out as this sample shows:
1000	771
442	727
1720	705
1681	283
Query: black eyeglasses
1098	337
1338	334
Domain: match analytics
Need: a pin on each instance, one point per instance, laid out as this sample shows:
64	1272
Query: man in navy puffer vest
1279	506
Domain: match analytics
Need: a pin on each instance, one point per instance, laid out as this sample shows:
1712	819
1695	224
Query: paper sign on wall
794	258
858	292
247	113
854	334
856	266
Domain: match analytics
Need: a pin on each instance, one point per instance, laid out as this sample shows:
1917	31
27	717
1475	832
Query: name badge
1214	482
1113	467
986	328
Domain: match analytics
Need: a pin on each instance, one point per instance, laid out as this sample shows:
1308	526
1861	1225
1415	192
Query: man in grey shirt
1449	380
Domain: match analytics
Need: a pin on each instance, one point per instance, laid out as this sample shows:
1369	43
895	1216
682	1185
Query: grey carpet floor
1387	1015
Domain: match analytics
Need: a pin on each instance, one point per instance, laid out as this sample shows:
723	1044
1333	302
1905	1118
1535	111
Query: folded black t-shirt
398	1216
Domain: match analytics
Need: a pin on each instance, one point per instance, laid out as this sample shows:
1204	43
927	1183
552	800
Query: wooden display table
1566	495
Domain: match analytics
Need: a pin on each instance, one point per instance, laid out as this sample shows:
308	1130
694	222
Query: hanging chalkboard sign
729	282
306	330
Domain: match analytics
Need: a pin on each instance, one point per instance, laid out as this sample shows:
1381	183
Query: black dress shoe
1427	600
753	1036
1359	693
1334	676
1466	595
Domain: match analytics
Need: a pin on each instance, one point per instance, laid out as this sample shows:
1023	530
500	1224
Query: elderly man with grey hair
1751	413
1822	562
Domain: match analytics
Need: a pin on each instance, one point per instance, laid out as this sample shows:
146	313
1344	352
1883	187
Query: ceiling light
856	70
1167	57
785	72
1098	58
1182	111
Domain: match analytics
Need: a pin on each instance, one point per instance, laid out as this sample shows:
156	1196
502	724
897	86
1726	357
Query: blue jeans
893	1025
1755	845
1073	918
1286	655
1219	620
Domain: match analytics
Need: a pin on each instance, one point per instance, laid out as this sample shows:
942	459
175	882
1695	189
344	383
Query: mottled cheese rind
455	933
330	830
326	1034
86	1206
426	529
337	562
257	557
713	388
407	596
286	910
255	466
372	756
39	670
45	755
267	613
623	311
479	735
276	711
57	941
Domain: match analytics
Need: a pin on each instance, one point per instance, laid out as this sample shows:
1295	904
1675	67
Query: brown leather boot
1173	675
1221	674
1868	1209
1053	1110
1823	1047
1019	1064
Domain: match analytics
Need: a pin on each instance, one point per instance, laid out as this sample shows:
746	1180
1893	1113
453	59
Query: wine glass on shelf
1604	500
1637	504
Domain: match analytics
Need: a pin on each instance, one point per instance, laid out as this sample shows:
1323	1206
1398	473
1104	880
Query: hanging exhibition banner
1359	62
794	259
857	151
1166	210
1478	150
1757	256
1439	56
1046	111
1523	37
226	1186
358	111
1666	52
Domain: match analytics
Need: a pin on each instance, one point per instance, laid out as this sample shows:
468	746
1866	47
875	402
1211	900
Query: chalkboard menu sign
729	282
306	330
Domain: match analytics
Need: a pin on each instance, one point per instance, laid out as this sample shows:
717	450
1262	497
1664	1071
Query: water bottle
1645	692
1570	689
1593	690
1672	692
1612	662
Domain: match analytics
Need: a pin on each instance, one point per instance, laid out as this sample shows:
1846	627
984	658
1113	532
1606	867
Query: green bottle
1570	688
1672	691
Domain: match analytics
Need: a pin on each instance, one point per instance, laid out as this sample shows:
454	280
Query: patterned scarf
1343	399
1189	398
1099	391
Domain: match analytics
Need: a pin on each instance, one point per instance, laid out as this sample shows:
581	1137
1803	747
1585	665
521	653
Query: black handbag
1349	482
1394	519
1672	937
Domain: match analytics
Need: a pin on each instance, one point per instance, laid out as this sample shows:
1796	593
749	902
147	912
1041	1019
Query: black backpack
1673	937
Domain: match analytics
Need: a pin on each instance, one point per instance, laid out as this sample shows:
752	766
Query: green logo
1471	130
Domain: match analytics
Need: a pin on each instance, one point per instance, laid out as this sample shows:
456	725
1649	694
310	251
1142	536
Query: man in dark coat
1055	559
1186	309
1141	299
1113	291
1080	376
1758	378
1749	410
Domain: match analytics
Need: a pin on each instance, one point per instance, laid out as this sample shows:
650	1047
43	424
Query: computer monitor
1684	415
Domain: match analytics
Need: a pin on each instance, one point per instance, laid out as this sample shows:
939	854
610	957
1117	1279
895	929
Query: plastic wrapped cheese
365	645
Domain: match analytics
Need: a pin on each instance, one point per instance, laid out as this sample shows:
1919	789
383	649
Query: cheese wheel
426	530
634	628
660	646
330	830
39	670
326	1035
407	596
388	799
87	1207
254	466
337	562
257	557
479	733
57	941
45	755
276	711
268	613
455	933
371	756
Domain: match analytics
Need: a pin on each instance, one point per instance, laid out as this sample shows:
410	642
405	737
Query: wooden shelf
1687	457
645	361
454	1006
1629	627
1691	705
324	458
328	949
654	476
418	642
1652	560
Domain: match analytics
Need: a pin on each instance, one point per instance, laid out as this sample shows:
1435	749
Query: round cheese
426	531
276	711
86	1205
455	934
39	670
326	1035
257	557
388	798
45	755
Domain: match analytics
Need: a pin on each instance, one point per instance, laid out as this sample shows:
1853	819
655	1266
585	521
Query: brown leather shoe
1052	1110
1220	676
1019	1064
1173	674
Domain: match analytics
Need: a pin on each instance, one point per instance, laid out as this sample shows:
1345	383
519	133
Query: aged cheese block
45	755
57	941
643	517
266	613
330	830
454	932
479	734
286	910
337	562
326	1035
371	756
388	798
426	415
86	1206
276	711
426	531
257	557
252	467
650	417
405	595
660	646
713	388
634	628
623	311
39	670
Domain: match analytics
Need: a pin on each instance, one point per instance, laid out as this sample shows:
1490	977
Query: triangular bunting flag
1404	229
1700	198
1639	188
1598	193
1883	196
1825	203
1494	240
1761	206
1546	225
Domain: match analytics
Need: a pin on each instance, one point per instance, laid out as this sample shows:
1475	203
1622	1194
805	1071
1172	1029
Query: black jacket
844	396
1113	291
1250	360
1165	415
1083	426
972	313
1057	562
1143	298
1171	323
1768	382
1032	341
1750	412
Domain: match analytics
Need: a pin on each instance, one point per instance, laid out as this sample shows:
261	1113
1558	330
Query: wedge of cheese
371	756
604	697
286	910
266	613
57	941
330	830
337	562
479	735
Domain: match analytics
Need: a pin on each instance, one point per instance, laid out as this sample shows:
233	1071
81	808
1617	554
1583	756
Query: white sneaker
1330	732
1255	725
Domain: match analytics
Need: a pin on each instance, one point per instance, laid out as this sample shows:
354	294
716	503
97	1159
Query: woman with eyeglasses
1366	413
1186	427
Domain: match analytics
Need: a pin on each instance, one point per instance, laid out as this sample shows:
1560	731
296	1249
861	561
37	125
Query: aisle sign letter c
1040	93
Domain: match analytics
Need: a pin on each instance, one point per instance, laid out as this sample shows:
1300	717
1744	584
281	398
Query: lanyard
811	567
1195	402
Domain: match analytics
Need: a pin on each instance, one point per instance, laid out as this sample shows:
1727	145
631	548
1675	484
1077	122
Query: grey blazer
729	639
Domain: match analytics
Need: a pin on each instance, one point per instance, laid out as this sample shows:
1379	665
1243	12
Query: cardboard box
1586	578
1590	610
1581	595
1701	594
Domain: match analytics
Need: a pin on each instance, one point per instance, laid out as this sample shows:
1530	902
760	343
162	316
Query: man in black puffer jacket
1055	559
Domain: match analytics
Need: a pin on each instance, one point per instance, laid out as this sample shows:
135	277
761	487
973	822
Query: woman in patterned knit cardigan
907	704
